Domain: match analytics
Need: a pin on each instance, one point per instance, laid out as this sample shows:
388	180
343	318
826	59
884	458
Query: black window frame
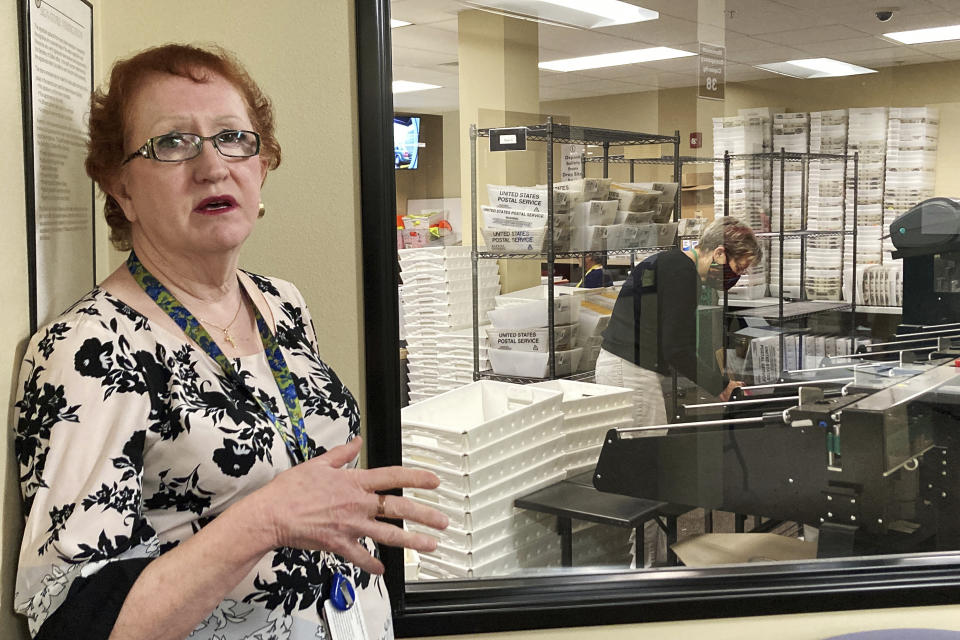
568	599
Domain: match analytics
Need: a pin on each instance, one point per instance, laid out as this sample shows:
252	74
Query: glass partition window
600	383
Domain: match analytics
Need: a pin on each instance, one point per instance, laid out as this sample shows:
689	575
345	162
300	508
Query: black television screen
406	141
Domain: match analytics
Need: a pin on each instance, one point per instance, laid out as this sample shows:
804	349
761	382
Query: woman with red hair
187	459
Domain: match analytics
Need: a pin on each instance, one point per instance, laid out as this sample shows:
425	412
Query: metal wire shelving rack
554	133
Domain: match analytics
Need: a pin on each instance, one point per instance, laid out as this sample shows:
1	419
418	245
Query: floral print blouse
130	439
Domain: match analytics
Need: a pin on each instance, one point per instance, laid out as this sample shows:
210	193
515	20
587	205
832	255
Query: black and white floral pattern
130	439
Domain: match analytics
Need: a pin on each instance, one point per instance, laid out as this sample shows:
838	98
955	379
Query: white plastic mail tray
589	437
453	459
538	292
481	516
486	293
507	218
514	197
576	462
594	212
615	417
566	310
479	479
592	323
536	339
538	555
587	397
478	414
488	274
506	489
495	549
533	364
467	540
513	240
435	265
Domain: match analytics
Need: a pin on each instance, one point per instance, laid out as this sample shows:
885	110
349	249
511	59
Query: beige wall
302	54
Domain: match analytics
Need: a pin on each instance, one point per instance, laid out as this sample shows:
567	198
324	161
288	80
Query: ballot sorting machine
865	447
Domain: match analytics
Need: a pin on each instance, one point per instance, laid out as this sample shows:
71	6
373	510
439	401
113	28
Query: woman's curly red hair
109	115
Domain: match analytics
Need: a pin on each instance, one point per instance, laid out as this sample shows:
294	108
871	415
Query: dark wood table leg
740	520
671	540
708	520
565	527
641	558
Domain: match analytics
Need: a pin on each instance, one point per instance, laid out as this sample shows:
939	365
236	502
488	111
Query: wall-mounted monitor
406	141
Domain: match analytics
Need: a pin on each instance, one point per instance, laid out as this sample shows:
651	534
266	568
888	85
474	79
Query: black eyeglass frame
147	150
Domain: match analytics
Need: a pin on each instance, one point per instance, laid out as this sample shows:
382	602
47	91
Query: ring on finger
381	511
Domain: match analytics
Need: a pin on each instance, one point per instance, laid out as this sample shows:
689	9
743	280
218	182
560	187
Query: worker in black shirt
653	328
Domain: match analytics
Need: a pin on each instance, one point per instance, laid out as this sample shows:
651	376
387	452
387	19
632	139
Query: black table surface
577	498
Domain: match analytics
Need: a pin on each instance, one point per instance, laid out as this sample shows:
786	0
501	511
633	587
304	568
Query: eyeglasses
177	147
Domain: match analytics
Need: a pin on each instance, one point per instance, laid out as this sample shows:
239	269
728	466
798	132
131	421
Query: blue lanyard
297	447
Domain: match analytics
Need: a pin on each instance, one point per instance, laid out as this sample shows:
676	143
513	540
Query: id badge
342	611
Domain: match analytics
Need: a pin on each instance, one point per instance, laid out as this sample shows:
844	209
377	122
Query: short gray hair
735	236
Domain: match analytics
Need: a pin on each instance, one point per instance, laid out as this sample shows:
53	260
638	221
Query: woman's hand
320	505
726	393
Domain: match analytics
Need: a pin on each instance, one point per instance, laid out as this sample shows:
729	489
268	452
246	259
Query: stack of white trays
866	135
790	133
912	137
490	442
436	305
825	210
791	268
748	132
589	411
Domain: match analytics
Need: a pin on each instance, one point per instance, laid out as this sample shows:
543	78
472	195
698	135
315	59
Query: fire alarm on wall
696	139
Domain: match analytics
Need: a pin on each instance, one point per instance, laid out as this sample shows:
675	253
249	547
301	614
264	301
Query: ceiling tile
405	57
762	55
890	57
580	42
752	17
744	73
424	38
800	37
665	32
839	48
949	50
447	25
554	79
430	76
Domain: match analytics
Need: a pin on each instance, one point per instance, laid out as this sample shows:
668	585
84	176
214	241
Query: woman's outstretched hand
320	505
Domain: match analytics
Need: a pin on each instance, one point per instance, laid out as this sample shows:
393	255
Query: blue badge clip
342	594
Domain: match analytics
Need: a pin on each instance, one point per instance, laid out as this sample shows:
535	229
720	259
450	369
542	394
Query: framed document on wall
56	54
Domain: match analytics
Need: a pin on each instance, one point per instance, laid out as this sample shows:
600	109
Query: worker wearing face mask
653	328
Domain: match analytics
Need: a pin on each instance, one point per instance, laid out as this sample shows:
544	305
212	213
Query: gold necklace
226	329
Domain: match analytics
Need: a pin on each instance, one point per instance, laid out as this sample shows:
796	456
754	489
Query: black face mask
721	276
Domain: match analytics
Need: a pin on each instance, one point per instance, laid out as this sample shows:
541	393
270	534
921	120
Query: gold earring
261	211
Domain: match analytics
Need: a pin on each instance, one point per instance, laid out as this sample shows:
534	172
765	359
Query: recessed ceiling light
405	86
573	13
815	68
933	34
394	23
614	59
